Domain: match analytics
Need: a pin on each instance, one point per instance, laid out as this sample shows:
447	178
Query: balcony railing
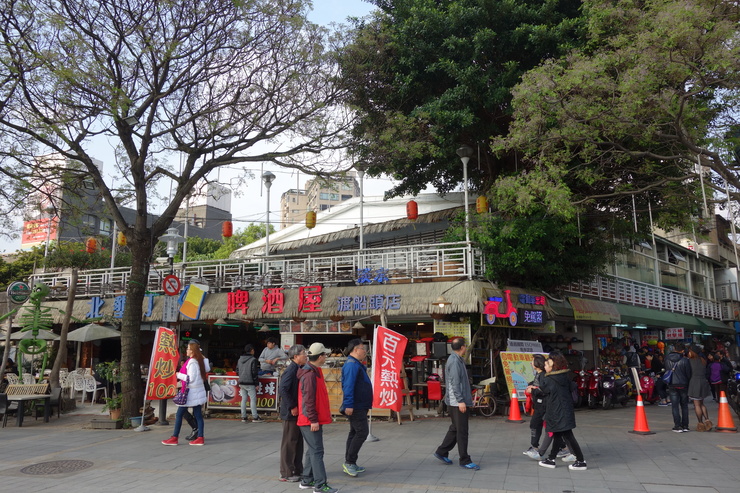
413	263
640	294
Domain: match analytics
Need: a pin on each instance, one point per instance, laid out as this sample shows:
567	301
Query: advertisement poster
161	379
388	349
518	371
225	394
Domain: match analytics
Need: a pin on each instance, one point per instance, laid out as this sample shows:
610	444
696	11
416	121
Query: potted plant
113	405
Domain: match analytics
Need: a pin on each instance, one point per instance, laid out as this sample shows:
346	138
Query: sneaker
170	441
325	489
245	420
562	453
444	459
360	469
526	452
290	479
569	458
548	463
350	469
257	419
193	435
663	404
677	429
578	466
685	430
306	486
472	466
533	454
198	441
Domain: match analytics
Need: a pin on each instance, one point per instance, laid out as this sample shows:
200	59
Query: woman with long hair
560	415
699	388
192	374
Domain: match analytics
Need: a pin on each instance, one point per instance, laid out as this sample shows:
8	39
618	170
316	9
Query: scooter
595	391
622	389
582	379
733	391
647	386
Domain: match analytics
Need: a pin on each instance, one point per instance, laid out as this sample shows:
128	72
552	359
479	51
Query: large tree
426	76
623	122
220	82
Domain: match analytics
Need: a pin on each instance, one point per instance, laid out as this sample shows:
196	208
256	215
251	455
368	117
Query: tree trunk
131	383
62	353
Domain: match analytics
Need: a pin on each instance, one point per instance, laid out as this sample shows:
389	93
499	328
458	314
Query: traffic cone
641	424
724	422
514	415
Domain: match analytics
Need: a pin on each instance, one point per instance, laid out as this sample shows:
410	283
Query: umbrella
28	334
92	332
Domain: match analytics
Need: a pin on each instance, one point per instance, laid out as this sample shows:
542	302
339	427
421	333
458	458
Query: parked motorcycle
595	390
647	386
616	389
582	380
733	391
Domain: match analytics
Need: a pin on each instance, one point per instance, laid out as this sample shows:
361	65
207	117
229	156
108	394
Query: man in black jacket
248	371
291	446
678	387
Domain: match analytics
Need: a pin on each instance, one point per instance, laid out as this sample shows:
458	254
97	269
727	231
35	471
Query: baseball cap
317	348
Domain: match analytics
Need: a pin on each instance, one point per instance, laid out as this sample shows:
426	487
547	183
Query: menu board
225	394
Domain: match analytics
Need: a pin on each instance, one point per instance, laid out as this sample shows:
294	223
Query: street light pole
268	178
465	152
361	173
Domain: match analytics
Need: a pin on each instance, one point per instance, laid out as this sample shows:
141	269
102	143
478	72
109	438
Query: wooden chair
406	400
7	407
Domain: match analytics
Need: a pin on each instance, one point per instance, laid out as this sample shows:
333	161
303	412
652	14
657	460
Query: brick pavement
244	457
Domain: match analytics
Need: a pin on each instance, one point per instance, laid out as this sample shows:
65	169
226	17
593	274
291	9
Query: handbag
668	375
182	395
206	385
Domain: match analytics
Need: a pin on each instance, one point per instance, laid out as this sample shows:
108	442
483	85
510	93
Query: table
21	399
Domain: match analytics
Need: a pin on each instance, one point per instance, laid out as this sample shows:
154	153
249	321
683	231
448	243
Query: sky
252	205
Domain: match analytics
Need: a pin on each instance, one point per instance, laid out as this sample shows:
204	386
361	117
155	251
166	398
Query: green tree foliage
426	76
65	255
22	267
208	249
626	117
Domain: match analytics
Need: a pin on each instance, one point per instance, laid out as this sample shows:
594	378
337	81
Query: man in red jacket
313	413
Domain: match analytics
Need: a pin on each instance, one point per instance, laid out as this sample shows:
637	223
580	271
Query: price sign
171	285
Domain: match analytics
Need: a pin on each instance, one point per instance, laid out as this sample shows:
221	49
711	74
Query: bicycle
483	398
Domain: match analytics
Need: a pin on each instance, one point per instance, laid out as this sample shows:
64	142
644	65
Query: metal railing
413	263
640	294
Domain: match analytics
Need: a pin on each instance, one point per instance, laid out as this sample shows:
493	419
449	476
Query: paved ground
244	457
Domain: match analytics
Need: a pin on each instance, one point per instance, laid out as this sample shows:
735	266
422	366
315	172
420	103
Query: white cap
318	348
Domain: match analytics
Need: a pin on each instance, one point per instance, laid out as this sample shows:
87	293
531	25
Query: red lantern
481	205
121	239
412	210
310	219
91	245
227	229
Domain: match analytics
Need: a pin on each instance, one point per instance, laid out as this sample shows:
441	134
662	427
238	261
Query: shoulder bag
182	395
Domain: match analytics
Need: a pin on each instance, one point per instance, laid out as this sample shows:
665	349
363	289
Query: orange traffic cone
725	422
514	415
641	424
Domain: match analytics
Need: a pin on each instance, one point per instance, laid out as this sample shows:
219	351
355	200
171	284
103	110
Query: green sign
19	292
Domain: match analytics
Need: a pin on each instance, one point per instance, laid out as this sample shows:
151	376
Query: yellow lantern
481	204
121	240
310	219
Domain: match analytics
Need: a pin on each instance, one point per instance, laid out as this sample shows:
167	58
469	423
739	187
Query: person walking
357	401
699	388
248	371
313	413
291	446
560	415
678	387
191	374
458	396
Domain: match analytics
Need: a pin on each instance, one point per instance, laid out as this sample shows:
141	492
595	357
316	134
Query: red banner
388	349
161	382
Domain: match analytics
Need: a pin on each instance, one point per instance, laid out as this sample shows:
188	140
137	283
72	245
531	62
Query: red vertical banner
161	382
388	349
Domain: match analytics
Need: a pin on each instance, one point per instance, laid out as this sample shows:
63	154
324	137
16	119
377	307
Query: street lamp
268	178
173	238
465	152
360	167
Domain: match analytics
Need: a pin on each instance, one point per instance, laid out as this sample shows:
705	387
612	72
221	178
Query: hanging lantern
91	245
310	219
481	205
412	210
227	229
121	240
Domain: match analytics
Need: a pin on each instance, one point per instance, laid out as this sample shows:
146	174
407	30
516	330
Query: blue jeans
313	461
679	397
181	410
358	431
251	391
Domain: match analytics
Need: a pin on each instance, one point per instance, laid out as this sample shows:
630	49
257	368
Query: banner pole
370	436
142	427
